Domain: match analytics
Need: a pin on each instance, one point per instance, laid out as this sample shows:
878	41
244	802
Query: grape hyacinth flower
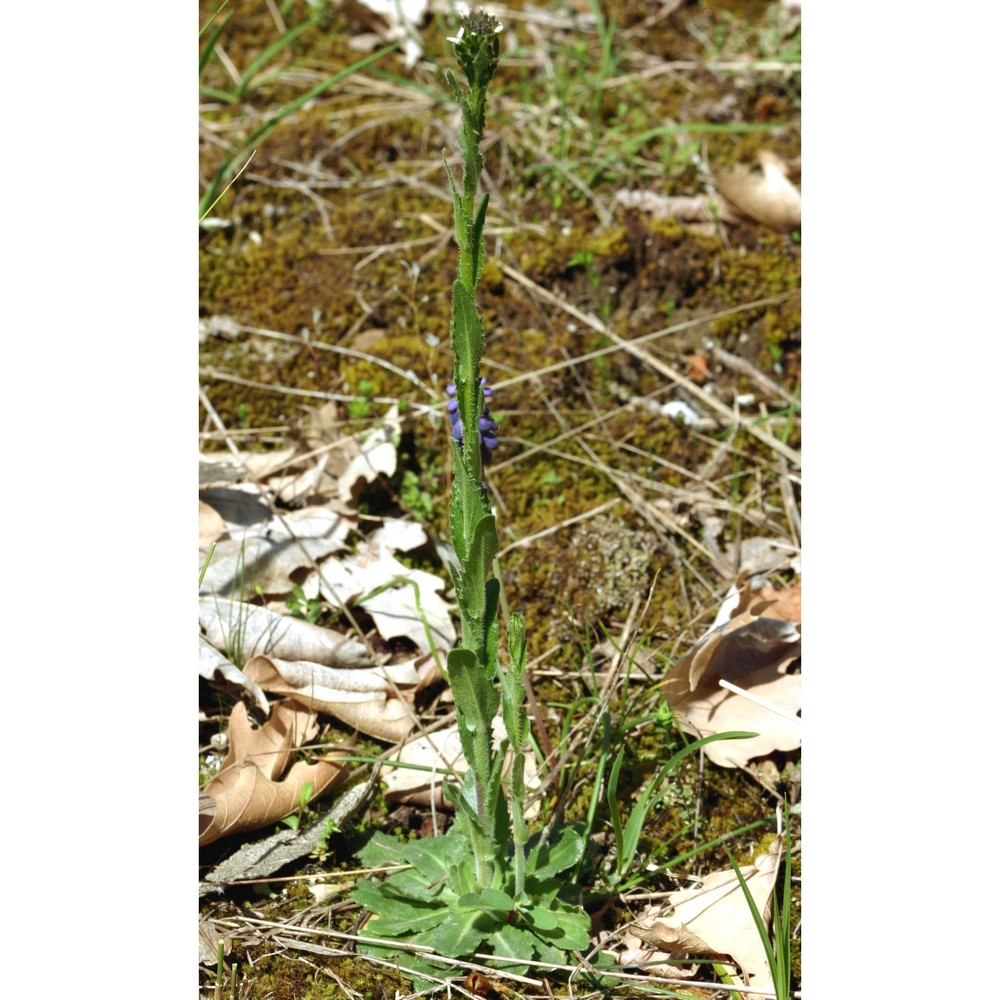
488	440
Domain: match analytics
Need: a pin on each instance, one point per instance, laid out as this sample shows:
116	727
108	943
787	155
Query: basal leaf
540	918
573	927
556	856
433	856
381	850
403	924
461	932
493	901
368	893
512	942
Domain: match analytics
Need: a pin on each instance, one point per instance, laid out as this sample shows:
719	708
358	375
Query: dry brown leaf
221	467
373	566
754	653
211	526
441	751
684	208
785	605
716	919
369	700
375	455
216	669
768	197
247	794
259	631
267	555
240	506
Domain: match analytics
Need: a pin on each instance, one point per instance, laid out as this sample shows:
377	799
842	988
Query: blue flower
488	440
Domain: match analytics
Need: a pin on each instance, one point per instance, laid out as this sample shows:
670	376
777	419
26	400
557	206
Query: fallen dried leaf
375	701
258	631
374	567
267	554
247	794
215	668
768	197
754	653
716	919
784	605
376	455
211	526
441	753
261	858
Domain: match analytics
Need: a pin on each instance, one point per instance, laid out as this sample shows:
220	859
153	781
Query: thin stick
769	705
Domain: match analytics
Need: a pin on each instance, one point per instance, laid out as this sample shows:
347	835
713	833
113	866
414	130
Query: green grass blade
762	931
206	52
219	95
264	130
218	11
616	817
246	78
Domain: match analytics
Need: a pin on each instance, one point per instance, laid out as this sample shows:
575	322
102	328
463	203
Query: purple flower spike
488	440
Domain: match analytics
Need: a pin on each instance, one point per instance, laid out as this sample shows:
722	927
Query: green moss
289	975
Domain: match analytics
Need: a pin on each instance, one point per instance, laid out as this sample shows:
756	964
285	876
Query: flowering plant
485	880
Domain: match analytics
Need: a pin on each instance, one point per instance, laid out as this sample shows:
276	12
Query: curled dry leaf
754	653
221	467
261	858
267	555
716	919
784	605
768	197
374	567
256	631
211	526
441	753
215	668
376	701
249	792
375	455
684	208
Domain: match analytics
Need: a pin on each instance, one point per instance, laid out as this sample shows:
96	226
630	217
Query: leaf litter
255	649
713	919
254	786
751	648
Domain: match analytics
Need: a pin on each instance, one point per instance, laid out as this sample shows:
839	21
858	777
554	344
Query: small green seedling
305	794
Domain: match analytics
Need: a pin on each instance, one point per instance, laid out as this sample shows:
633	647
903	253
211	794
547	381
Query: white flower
457	38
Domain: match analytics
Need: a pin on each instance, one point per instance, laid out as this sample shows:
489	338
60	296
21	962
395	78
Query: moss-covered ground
338	234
